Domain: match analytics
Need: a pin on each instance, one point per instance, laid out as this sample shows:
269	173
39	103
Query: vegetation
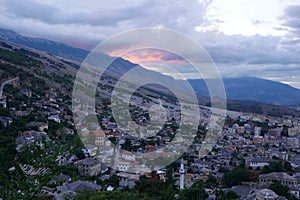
279	166
236	176
230	195
281	190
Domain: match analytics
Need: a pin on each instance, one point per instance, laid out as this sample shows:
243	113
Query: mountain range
254	89
248	89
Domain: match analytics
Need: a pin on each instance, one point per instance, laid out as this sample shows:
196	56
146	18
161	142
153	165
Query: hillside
243	89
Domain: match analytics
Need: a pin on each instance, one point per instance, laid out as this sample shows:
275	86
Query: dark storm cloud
55	15
97	20
93	20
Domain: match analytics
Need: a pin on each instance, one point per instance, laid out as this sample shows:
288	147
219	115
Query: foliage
230	195
109	195
195	192
154	188
236	177
281	190
277	167
211	182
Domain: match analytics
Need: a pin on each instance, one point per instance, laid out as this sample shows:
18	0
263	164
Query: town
252	157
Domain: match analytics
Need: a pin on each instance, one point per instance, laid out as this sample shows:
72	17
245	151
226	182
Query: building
283	178
76	187
258	139
124	165
41	126
54	118
5	121
100	138
274	132
266	194
3	103
30	138
26	92
88	167
90	150
255	162
181	171
257	131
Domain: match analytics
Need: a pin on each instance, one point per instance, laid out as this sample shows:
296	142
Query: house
5	121
31	137
274	152
266	194
274	132
123	183
26	92
258	139
40	125
54	118
124	165
257	131
283	178
150	148
257	162
68	131
90	150
77	187
3	103
100	138
126	155
88	167
61	178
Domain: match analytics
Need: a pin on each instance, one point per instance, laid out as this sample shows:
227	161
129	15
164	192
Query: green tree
211	182
273	167
154	188
279	189
111	195
230	195
194	193
236	177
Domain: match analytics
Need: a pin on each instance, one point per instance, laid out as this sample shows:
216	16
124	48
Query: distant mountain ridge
254	89
244	88
54	48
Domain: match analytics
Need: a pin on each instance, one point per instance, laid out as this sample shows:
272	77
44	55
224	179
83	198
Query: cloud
54	15
114	14
85	23
257	21
292	11
239	49
291	20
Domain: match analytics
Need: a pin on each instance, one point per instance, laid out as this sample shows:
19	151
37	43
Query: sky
258	38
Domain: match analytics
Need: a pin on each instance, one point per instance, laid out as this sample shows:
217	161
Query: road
5	83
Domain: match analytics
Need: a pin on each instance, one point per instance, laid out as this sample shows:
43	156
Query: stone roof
257	159
60	178
34	123
277	175
127	183
88	161
267	194
241	190
80	186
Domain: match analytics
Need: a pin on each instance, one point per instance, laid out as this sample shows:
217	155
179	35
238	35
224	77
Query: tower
181	171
